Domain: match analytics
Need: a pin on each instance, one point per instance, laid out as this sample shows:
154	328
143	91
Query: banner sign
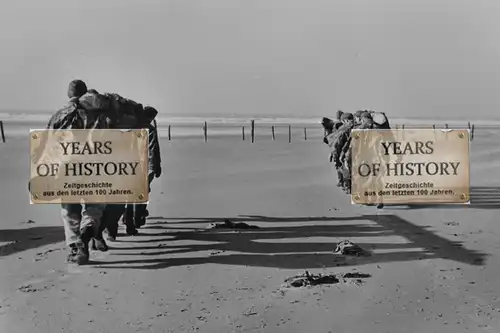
89	166
410	166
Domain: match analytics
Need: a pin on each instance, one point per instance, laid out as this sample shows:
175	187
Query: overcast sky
295	57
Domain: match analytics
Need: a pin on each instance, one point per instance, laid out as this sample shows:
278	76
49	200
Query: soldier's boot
131	231
72	255
79	254
83	253
130	228
128	220
99	244
140	214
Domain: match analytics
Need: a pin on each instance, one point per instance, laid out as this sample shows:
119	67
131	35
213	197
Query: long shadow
29	238
245	218
268	246
481	197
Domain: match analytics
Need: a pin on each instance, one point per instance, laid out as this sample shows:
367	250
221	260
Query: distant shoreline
28	118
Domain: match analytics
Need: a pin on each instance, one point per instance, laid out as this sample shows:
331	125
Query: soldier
81	221
339	115
136	213
364	122
134	216
332	133
342	138
357	116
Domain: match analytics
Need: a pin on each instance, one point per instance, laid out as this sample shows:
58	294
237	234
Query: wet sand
432	269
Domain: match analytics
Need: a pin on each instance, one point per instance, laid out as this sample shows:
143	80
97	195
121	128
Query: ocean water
20	123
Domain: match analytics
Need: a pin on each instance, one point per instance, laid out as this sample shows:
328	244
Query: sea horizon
37	116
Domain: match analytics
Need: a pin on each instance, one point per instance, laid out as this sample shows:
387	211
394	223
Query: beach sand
432	269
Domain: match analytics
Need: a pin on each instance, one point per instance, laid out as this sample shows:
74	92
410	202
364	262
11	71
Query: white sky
295	57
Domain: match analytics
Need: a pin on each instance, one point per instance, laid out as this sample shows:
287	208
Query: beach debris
355	275
356	278
307	279
28	288
452	224
29	222
348	248
227	224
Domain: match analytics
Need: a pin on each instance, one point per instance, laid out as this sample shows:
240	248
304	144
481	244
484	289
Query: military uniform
366	123
344	133
331	139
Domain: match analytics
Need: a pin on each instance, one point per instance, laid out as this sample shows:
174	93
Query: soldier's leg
340	177
128	219
140	215
98	242
89	227
347	175
347	186
141	210
72	215
111	216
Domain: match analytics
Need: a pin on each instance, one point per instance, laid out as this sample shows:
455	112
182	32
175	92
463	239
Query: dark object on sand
355	275
348	248
232	225
307	279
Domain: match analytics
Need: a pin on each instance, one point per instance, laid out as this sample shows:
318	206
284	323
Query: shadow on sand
19	240
481	197
286	246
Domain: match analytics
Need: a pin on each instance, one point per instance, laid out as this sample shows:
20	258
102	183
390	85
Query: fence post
2	132
272	131
433	126
243	132
403	127
446	126
169	134
253	130
205	134
289	133
472	132
468	124
305	133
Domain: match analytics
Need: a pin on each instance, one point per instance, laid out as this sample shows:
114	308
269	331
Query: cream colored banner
410	166
89	166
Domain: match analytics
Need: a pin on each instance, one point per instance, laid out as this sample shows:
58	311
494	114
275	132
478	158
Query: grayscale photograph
260	166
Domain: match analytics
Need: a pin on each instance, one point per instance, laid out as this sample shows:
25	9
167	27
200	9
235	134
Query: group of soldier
338	138
85	223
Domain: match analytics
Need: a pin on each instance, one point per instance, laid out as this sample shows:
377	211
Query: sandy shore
432	270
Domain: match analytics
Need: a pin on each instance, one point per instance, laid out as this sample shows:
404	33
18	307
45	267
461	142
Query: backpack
380	120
